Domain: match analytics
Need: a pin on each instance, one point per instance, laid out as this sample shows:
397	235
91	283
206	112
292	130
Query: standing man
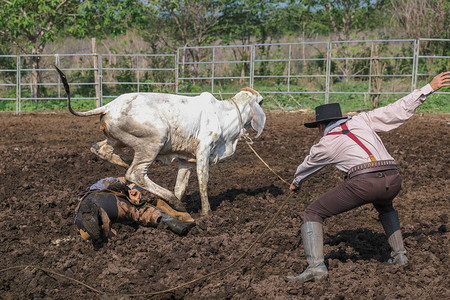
353	146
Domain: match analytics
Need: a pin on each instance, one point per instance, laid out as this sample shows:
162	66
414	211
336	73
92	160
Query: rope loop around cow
280	208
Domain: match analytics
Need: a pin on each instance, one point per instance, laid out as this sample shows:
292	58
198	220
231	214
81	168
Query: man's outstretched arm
395	114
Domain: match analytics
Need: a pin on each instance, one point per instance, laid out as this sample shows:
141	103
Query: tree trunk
244	57
195	59
378	68
304	47
97	82
35	75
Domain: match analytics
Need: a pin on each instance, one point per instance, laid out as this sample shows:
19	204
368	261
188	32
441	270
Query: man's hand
440	81
135	196
294	188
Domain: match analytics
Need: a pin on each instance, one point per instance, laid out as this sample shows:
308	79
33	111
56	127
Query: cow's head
255	94
255	100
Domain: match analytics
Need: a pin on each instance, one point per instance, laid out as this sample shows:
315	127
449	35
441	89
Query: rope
54	273
280	208
249	142
276	174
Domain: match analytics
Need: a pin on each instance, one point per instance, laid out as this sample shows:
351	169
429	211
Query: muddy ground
45	162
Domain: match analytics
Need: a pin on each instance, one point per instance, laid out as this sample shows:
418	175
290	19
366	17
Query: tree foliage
183	22
344	16
419	19
30	25
165	25
249	21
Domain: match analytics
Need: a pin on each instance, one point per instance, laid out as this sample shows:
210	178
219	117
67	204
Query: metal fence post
177	60
328	73
289	69
252	65
58	64
100	78
19	88
137	72
212	69
17	84
415	65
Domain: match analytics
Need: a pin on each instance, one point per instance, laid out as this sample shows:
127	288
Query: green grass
46	105
436	103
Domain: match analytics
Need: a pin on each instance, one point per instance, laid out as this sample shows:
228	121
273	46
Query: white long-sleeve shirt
342	152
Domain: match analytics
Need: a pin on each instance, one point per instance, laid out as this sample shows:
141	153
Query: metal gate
323	71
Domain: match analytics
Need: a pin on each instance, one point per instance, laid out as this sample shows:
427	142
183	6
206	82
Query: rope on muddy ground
53	273
280	208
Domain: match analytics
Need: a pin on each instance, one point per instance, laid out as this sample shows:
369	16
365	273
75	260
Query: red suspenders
347	132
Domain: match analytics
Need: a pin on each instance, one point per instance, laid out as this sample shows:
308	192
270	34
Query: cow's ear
258	118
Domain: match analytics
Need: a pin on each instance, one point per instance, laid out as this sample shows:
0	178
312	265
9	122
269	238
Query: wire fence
289	73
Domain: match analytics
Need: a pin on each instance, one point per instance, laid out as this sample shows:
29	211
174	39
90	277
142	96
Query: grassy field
303	93
438	103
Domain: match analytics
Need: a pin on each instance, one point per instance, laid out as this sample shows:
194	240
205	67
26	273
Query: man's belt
373	166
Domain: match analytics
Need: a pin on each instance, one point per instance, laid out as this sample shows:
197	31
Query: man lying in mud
352	145
112	200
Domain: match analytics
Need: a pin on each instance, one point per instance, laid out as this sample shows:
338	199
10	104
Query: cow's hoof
95	148
206	212
179	207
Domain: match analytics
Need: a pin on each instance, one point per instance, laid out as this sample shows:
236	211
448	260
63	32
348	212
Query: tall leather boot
391	225
149	215
312	237
178	226
165	208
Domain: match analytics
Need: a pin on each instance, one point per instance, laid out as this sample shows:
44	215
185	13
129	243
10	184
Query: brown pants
378	188
119	209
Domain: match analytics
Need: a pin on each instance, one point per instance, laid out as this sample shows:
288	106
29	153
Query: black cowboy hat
326	113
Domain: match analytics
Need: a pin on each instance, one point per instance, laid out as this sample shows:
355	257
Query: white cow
198	130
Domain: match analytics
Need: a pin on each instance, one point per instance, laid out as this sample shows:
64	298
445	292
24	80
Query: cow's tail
95	111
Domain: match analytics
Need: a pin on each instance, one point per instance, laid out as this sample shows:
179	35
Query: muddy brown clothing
117	204
378	186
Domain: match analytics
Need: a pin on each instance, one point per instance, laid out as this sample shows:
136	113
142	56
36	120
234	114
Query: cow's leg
105	151
137	173
184	172
203	176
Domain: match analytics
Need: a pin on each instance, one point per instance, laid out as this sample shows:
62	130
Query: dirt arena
45	162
